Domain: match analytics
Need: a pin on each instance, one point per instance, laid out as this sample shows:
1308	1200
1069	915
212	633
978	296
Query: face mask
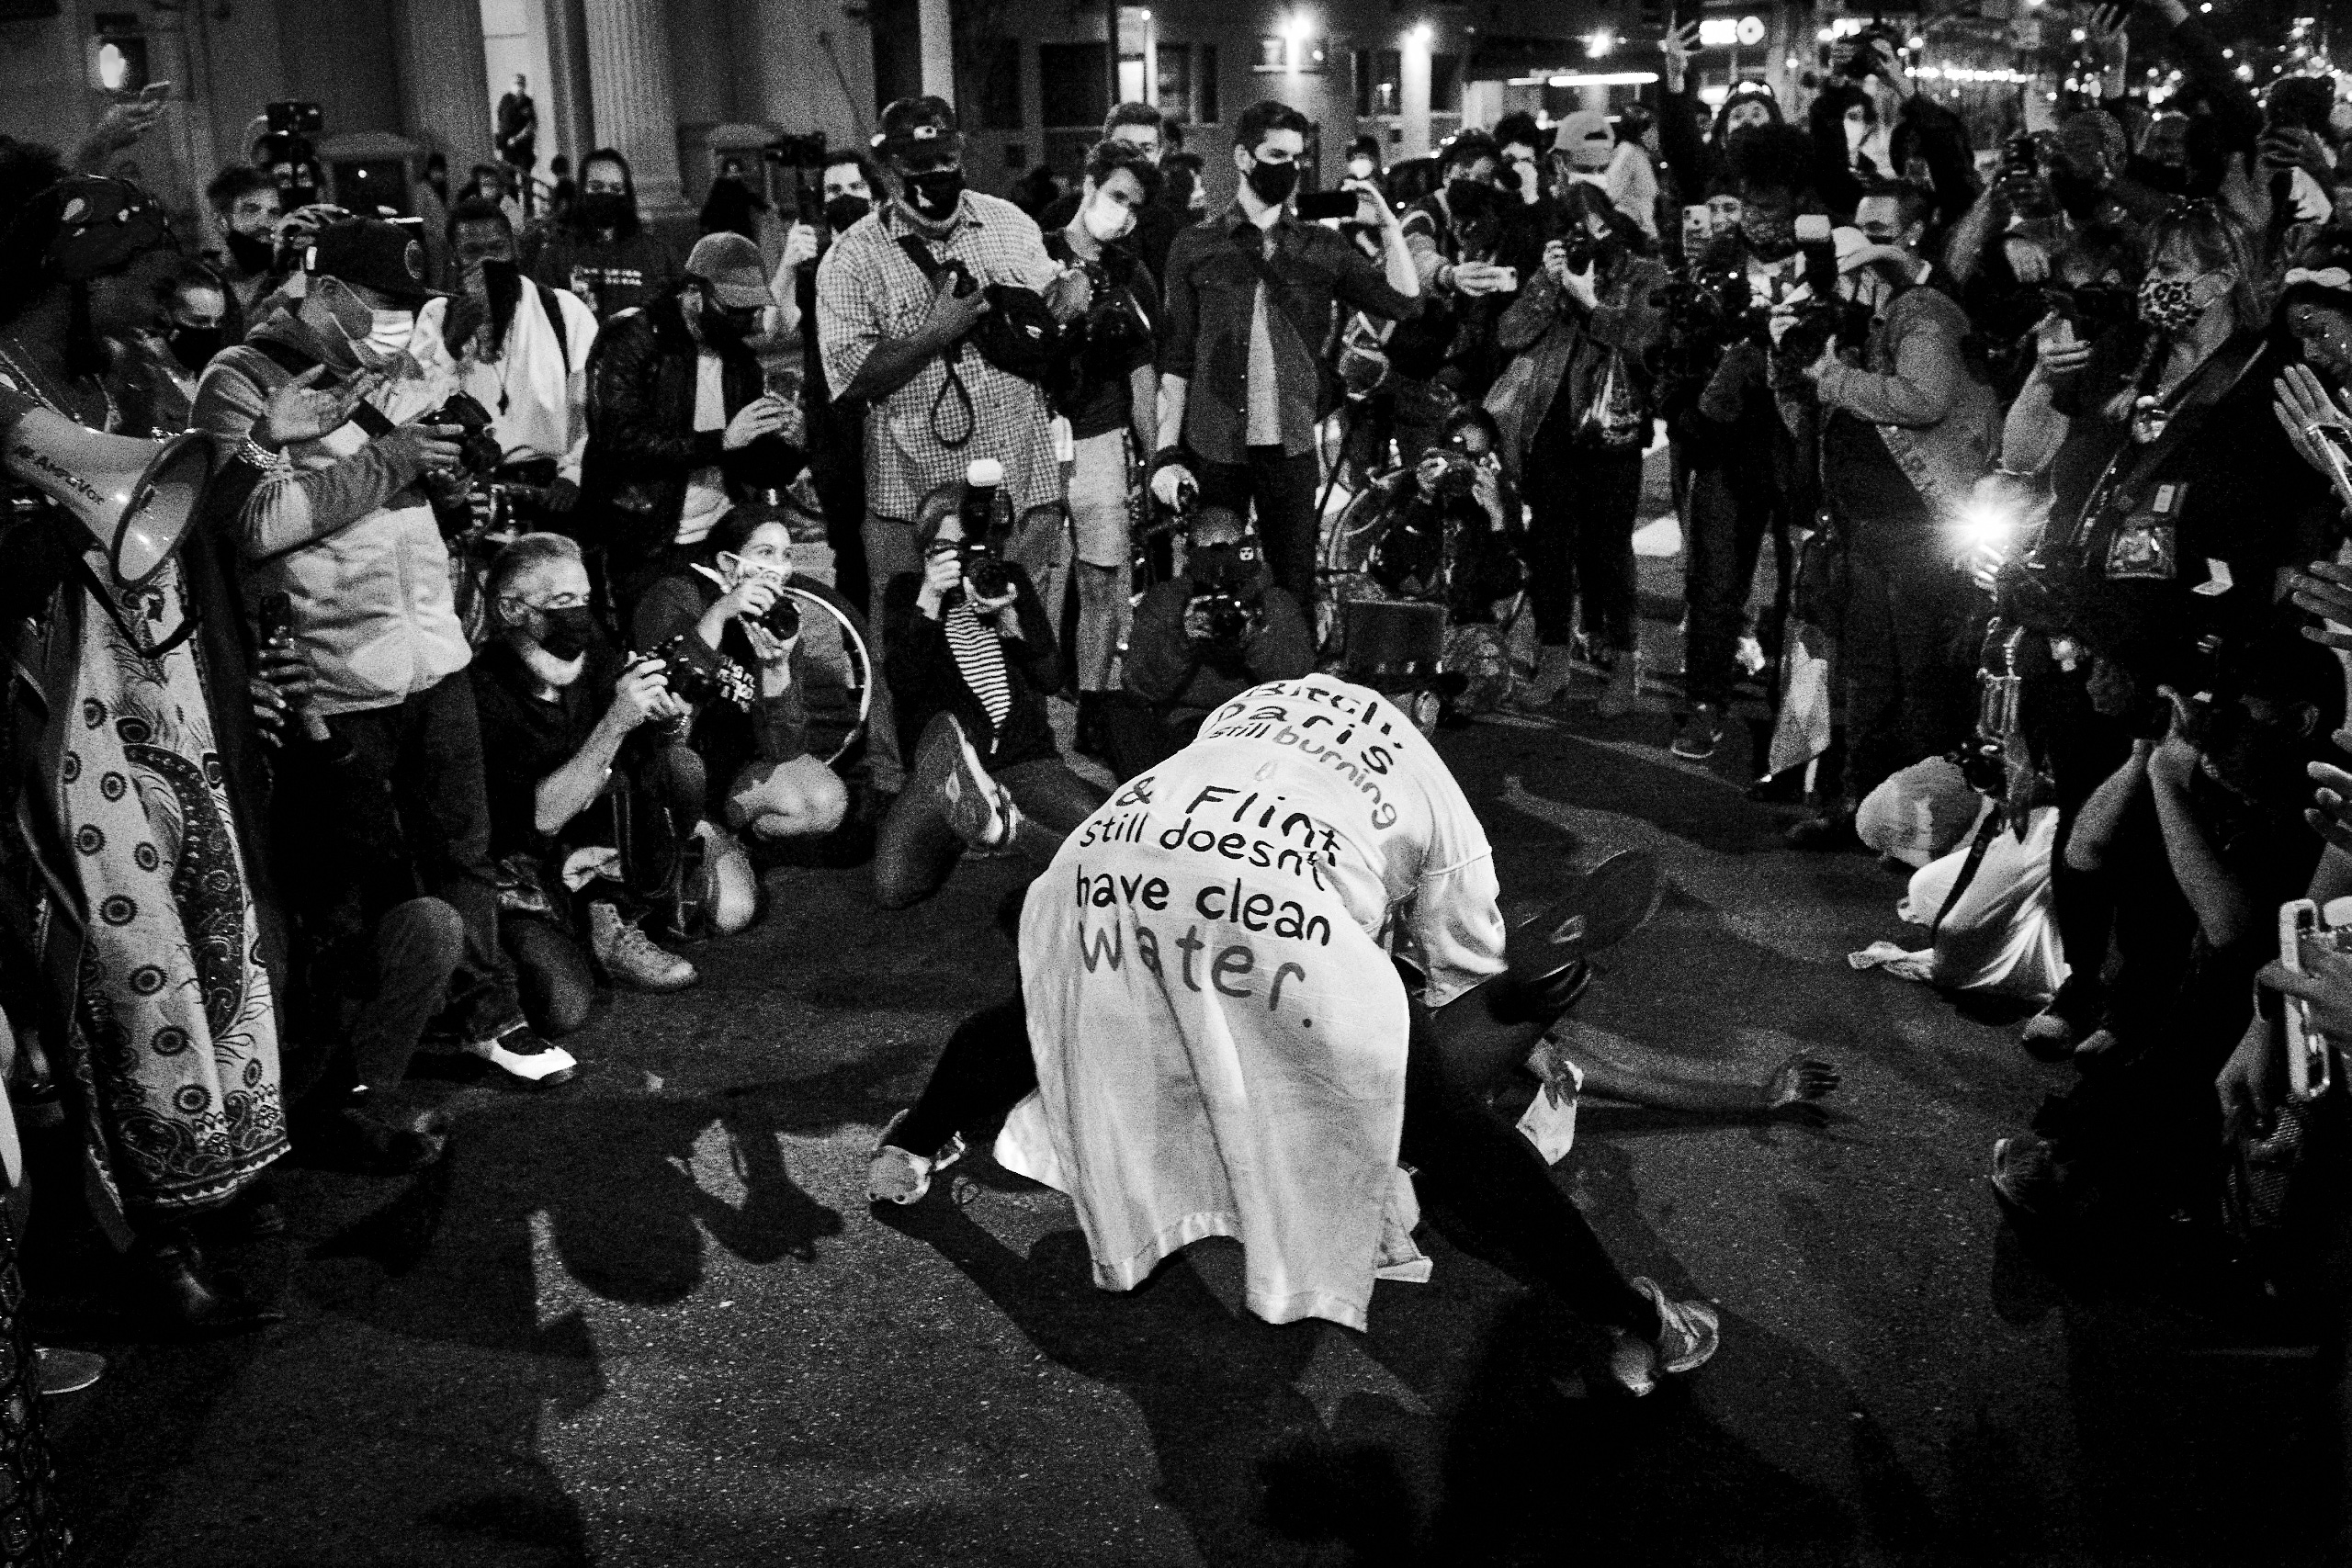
1856	129
567	633
1106	220
2169	304
604	208
1359	168
389	332
843	210
194	346
1272	183
934	193
720	327
252	253
334	312
1468	199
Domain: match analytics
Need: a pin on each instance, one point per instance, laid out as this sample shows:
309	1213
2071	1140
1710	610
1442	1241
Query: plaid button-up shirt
868	288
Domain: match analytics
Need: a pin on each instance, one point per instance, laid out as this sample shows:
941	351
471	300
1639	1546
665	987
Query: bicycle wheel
836	665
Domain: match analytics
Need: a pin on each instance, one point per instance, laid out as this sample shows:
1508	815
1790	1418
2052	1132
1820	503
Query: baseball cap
916	127
730	265
383	257
101	224
1584	137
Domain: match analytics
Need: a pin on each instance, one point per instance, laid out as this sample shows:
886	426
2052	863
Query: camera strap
1252	246
2132	466
920	253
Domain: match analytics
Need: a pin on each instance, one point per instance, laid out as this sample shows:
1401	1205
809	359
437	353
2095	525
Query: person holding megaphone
131	890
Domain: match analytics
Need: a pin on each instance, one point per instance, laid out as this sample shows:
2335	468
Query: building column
443	76
1413	94
938	49
633	103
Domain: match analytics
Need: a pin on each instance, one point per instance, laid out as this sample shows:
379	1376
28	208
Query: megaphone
137	498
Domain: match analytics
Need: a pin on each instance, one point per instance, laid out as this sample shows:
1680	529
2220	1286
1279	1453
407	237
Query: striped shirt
869	289
979	655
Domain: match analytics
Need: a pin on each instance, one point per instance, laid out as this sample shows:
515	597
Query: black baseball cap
384	256
919	128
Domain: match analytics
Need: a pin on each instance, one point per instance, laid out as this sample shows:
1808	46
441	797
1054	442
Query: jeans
419	945
837	473
1581	539
916	849
1099	531
1485	1185
1731	511
1285	489
426	750
1910	686
558	985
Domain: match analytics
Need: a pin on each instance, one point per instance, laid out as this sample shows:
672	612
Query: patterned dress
176	1038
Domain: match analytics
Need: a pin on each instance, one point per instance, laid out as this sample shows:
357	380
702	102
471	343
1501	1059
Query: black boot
168	1268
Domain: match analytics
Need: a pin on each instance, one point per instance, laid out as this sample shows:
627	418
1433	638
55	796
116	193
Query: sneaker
973	802
1833	831
2027	1175
2049	1036
1688	1334
630	958
520	1055
896	1175
68	1372
1700	732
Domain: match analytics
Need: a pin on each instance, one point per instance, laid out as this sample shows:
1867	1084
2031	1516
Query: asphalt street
649	1318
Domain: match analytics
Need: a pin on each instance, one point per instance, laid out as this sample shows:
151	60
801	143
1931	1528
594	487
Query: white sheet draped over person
1219	1034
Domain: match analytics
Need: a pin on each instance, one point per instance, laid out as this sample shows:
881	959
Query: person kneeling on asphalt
725	628
558	712
1201	639
972	661
1212	1042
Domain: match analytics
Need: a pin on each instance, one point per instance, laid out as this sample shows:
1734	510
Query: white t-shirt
706	499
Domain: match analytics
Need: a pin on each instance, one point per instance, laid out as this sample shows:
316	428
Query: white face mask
1107	220
389	332
1857	129
1359	168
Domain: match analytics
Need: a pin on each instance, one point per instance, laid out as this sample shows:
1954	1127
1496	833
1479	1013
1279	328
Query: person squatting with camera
972	662
1214	630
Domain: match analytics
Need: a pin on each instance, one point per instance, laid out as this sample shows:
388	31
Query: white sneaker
1688	1334
520	1054
894	1175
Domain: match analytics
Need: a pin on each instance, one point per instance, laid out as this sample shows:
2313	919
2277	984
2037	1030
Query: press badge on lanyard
2146	546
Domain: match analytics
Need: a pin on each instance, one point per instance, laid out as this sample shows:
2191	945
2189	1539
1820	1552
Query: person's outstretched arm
1624	1071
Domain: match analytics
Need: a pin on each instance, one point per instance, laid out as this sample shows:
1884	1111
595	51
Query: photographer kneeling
972	661
1201	639
558	716
729	636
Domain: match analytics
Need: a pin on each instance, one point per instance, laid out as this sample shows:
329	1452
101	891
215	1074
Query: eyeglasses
561	602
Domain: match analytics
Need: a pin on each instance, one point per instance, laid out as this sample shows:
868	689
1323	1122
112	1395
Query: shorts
1098	500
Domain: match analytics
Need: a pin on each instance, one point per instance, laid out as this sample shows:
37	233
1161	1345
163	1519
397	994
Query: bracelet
255	455
1165	457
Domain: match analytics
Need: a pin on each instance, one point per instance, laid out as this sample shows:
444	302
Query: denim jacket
1932	406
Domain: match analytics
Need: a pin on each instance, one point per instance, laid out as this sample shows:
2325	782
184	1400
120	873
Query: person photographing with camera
346	527
1249	299
1199	640
1111	398
903	310
972	663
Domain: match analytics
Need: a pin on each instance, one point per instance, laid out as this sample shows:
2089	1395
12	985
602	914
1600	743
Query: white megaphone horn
137	498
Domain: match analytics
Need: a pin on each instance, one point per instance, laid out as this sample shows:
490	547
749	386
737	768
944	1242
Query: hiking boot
1700	732
630	958
1623	693
2049	1036
898	1175
2027	1175
1834	831
1688	1334
520	1052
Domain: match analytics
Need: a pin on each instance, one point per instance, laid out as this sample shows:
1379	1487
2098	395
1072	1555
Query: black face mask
604	208
2080	196
568	632
1469	200
934	193
252	253
844	211
1272	183
1771	238
194	346
723	328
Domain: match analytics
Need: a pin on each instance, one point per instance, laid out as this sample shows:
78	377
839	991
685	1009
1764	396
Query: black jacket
642	443
925	679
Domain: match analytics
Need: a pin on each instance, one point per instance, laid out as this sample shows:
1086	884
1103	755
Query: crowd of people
487	669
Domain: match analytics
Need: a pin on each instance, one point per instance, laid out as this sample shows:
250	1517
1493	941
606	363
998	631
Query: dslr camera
478	449
1862	61
797	152
285	151
985	572
1227	618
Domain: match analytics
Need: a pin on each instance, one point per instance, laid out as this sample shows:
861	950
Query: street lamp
1598	43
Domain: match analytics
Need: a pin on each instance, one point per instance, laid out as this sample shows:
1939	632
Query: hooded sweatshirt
634	267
